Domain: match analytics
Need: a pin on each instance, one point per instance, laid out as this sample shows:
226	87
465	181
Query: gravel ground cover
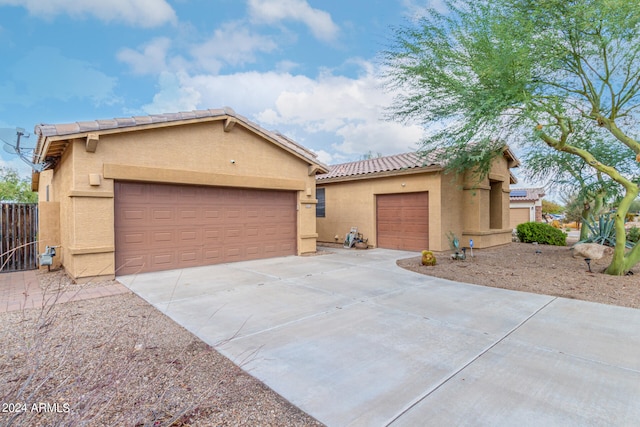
550	271
118	361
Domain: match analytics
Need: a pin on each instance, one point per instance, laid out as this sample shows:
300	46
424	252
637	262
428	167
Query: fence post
18	236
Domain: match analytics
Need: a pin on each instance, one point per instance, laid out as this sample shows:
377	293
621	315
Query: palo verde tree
525	71
571	175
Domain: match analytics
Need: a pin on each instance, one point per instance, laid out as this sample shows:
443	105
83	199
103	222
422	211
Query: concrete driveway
352	339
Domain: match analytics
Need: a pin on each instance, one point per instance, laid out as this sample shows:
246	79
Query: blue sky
306	68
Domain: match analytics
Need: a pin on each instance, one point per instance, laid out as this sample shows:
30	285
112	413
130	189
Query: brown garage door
518	216
403	221
161	227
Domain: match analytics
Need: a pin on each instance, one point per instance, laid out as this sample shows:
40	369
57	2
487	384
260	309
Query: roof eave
512	159
44	142
383	174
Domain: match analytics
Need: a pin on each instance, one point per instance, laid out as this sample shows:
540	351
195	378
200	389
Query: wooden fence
18	236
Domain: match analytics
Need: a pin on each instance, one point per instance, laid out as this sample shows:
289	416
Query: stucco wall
487	205
200	153
456	204
352	204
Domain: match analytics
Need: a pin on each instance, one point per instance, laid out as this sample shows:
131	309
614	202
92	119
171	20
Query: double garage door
403	221
162	227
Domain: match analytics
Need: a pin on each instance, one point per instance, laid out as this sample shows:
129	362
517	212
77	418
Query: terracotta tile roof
126	122
396	162
526	194
45	131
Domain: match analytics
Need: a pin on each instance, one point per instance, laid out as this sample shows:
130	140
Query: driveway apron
354	340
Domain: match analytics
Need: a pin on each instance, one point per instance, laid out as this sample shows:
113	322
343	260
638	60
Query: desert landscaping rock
590	250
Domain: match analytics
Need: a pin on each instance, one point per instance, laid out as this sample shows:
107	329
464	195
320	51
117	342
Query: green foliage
635	206
633	235
557	76
15	189
542	233
573	209
602	231
551	207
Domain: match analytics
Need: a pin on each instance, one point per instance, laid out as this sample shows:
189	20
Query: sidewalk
21	290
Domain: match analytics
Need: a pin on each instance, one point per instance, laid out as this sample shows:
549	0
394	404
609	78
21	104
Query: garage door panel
131	263
189	258
252	232
213	236
162	226
163	215
233	253
403	221
132	217
185	214
133	192
166	193
189	237
211	256
163	260
162	237
213	213
286	248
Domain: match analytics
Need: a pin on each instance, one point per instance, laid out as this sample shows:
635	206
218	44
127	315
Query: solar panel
518	193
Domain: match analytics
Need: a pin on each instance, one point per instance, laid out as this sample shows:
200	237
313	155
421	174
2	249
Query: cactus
428	258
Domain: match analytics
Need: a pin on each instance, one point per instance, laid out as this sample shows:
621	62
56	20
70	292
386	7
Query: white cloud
12	161
340	118
176	94
151	60
274	11
232	44
378	137
144	13
324	157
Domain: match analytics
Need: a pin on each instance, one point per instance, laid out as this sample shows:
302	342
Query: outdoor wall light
588	261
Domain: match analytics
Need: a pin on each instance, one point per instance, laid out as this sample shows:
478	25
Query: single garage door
162	227
518	216
403	221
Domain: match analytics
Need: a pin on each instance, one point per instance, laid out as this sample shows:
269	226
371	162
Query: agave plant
454	242
602	231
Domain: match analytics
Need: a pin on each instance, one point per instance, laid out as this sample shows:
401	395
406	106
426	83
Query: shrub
633	235
602	231
542	233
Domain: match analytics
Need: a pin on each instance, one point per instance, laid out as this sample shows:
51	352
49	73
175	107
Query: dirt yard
553	271
119	361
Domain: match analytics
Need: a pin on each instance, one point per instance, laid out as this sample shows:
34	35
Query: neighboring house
169	191
406	202
525	205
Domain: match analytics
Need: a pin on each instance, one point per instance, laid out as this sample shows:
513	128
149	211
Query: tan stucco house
408	202
172	190
525	205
